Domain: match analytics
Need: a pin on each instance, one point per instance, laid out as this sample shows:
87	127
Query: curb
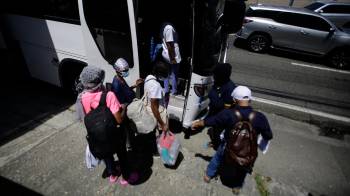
294	112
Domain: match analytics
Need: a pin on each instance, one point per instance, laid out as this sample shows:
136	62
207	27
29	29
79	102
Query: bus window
108	21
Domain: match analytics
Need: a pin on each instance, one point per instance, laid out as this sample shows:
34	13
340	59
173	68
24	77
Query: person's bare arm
197	124
119	116
155	110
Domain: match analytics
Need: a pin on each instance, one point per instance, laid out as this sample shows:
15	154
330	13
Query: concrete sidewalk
49	160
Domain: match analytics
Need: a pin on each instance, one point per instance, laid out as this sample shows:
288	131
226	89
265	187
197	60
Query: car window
313	22
339	9
303	20
314	6
262	13
288	18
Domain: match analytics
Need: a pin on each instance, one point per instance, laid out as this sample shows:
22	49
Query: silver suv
338	13
295	29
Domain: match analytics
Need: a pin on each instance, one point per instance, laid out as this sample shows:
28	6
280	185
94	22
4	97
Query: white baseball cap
242	93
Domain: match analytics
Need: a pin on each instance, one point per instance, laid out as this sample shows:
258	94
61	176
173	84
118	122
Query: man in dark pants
220	98
227	120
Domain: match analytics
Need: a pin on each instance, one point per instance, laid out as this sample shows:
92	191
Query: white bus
57	38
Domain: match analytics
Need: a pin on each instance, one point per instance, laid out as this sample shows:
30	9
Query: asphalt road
292	78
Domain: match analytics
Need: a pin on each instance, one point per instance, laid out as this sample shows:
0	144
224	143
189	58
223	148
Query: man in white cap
228	119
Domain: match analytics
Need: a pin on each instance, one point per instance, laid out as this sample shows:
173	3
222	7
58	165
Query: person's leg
216	161
122	157
166	85
173	75
110	165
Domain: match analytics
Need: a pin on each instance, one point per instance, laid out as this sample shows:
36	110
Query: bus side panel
94	55
195	104
45	43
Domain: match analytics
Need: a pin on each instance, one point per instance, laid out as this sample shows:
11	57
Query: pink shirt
91	100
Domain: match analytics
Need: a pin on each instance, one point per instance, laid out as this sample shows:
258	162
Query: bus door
109	33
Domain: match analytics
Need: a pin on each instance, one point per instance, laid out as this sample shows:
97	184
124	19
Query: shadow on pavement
27	103
179	159
204	157
11	188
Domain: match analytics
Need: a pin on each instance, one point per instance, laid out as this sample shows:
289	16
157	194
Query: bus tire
70	70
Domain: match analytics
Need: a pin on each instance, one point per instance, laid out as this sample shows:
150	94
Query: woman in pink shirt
92	79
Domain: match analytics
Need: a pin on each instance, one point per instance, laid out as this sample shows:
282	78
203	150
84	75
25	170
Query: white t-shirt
153	89
170	35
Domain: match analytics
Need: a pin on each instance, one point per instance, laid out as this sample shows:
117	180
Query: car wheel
258	43
339	59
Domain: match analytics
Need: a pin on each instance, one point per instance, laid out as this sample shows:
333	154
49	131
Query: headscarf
91	80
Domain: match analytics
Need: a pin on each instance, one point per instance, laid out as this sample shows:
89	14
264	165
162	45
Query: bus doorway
151	16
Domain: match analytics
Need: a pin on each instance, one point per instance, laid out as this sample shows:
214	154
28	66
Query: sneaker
113	179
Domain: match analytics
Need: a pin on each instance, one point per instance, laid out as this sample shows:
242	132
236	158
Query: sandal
206	178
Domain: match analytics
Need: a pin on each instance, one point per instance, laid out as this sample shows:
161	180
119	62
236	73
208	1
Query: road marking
321	68
304	110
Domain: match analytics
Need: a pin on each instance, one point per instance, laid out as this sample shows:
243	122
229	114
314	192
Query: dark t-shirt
226	119
122	90
220	96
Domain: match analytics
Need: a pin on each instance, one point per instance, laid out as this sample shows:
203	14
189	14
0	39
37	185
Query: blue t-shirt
226	119
220	96
122	90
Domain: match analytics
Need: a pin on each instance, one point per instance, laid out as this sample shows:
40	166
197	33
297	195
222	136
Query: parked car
295	29
336	12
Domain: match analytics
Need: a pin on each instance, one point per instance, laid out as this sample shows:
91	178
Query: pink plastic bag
166	139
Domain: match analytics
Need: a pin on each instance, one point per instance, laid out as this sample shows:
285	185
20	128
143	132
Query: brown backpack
241	147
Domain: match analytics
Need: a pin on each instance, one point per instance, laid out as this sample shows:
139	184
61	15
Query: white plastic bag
91	161
169	155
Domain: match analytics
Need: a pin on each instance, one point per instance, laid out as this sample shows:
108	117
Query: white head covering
242	93
121	65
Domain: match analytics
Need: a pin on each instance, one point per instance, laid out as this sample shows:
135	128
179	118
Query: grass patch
261	183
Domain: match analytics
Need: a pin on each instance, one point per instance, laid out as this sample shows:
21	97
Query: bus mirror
234	12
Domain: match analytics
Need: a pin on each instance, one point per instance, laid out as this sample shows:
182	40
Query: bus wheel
70	72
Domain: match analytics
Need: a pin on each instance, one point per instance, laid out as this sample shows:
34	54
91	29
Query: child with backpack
238	149
102	114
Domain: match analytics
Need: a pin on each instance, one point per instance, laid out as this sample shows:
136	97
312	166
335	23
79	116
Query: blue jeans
216	161
173	77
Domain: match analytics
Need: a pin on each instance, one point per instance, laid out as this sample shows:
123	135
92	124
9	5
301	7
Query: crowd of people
234	124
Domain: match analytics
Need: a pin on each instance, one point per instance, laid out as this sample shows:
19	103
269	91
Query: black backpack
241	147
102	130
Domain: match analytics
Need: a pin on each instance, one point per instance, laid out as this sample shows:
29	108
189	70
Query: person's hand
164	127
197	124
139	81
173	61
